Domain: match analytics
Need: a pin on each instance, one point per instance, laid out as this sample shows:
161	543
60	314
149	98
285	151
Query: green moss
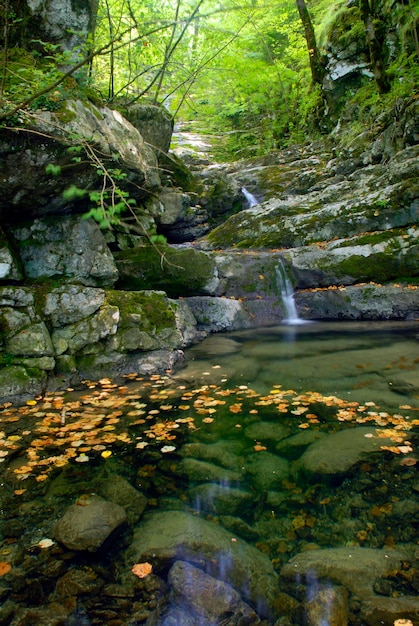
178	272
152	310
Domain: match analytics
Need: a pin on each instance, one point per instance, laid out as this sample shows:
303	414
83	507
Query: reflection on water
264	452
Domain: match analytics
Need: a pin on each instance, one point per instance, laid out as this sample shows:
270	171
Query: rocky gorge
81	302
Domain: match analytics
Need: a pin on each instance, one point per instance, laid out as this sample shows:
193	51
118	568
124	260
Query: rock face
37	192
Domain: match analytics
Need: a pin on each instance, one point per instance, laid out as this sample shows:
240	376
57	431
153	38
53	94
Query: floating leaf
142	570
82	458
106	454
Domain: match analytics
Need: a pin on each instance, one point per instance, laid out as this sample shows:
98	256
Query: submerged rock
199	598
175	535
353	567
338	453
88	523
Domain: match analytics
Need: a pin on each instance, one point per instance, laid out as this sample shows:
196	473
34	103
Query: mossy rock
178	272
18	383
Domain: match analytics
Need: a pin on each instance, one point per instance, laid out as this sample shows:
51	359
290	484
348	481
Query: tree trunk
316	65
375	46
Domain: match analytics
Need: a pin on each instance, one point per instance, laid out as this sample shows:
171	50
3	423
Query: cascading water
287	294
251	199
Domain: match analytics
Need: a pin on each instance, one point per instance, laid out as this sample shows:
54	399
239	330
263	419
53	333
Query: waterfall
286	292
251	200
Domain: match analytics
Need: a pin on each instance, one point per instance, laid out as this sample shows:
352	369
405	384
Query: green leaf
54	170
73	193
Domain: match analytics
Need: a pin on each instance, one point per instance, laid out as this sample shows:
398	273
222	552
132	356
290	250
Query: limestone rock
218	314
34	340
71	303
154	123
380	257
178	272
74	337
35	192
371	301
87	524
9	265
69	248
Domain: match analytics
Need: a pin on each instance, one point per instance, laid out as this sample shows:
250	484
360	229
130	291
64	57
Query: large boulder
365	301
67	248
64	151
88	523
381	256
174	535
177	271
154	123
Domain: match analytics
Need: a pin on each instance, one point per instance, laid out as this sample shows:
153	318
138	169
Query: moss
178	272
152	310
379	267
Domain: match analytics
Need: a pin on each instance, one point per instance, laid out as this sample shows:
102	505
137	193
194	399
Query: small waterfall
251	200
286	292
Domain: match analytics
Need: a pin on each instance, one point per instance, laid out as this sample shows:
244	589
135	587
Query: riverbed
259	416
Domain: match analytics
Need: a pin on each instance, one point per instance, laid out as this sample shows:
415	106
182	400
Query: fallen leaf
142	570
4	568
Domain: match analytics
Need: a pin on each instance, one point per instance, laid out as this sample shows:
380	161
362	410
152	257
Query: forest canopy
257	71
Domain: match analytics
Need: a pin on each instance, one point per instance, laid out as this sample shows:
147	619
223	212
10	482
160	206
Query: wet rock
211	601
86	525
363	302
239	527
327	605
377	611
77	582
118	490
70	248
354	567
292	447
266	431
338	453
222	500
202	471
17	384
174	535
266	470
223	453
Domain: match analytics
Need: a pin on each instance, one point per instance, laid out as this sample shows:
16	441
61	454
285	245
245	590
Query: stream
230	440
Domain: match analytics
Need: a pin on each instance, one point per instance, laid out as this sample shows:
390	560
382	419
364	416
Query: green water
253	402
